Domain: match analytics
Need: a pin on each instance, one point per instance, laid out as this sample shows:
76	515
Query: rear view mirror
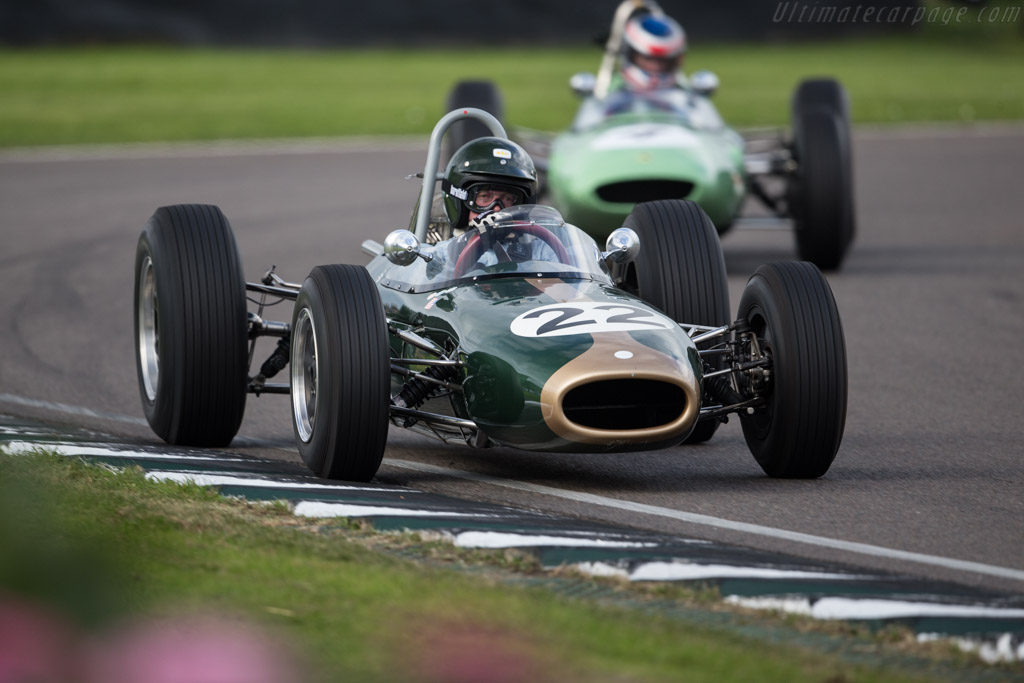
622	246
583	84
704	83
401	247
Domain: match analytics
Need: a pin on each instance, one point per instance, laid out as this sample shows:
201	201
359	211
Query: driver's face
491	197
488	196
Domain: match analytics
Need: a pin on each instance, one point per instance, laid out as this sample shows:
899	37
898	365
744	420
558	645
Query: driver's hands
484	221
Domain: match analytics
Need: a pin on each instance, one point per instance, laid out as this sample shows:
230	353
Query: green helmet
494	163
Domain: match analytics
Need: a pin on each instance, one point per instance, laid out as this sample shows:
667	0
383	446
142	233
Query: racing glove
484	222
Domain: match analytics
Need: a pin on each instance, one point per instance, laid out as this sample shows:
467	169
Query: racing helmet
485	174
653	49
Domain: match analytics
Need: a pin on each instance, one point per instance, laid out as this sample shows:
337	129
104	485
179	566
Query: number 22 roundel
586	317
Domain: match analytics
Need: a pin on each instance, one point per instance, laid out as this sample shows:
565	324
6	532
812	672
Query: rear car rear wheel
790	309
191	327
680	270
340	373
820	193
481	95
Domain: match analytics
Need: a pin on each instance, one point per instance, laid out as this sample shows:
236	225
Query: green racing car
627	145
561	347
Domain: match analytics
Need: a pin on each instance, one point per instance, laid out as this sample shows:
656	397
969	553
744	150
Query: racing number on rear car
588	317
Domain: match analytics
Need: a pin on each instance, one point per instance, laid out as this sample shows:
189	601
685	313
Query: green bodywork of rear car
631	147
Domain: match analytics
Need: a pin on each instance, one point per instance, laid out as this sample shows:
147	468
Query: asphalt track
930	476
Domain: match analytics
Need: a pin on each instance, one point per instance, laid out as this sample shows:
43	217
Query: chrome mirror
704	83
401	248
622	246
583	84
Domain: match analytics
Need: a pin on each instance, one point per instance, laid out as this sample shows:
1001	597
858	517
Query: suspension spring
418	390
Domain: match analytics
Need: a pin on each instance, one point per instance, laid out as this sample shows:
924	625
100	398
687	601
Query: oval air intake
620	404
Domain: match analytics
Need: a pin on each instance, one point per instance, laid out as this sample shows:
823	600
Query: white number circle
587	317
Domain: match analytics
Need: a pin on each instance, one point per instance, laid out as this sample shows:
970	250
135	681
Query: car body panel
525	343
663	145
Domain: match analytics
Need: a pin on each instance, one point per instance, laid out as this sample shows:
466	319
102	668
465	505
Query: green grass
133	94
98	547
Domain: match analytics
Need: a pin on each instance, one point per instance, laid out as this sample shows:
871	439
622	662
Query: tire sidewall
313	452
764	432
160	411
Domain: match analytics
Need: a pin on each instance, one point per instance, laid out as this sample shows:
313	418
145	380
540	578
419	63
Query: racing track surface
932	300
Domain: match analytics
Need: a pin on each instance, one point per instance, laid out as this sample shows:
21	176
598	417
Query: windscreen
677	104
526	240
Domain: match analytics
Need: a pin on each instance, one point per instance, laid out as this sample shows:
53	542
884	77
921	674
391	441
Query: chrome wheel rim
149	330
304	375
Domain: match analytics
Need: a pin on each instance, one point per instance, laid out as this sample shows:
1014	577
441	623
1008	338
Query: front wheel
191	330
340	373
791	314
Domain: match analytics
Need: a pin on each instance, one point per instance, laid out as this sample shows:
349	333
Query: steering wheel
474	247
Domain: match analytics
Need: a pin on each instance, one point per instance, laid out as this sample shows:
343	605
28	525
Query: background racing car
626	146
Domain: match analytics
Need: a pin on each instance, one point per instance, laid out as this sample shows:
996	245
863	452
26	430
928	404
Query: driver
485	176
653	50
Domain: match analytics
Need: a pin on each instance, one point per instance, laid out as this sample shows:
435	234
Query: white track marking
691	571
213	479
495	539
70	449
319	510
852	608
718	523
652	510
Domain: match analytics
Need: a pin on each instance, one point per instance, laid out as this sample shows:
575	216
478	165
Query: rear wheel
191	327
340	373
480	95
823	92
820	194
790	310
680	270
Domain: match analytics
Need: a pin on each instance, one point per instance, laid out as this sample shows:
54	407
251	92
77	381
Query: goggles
484	196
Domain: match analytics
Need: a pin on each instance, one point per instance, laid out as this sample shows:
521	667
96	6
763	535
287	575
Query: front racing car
549	354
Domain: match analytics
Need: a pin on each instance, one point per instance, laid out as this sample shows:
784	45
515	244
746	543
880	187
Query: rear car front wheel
340	373
681	270
191	331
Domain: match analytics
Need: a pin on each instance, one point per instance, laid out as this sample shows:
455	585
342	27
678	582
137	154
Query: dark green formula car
628	349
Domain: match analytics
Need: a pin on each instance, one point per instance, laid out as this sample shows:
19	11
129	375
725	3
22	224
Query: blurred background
154	70
308	23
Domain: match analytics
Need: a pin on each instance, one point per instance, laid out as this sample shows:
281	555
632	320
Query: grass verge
100	549
139	94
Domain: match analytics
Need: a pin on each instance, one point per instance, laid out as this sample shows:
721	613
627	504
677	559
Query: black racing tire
790	306
481	95
681	270
820	193
340	373
829	93
191	326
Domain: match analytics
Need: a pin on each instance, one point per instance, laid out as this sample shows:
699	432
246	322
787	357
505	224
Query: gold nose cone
618	356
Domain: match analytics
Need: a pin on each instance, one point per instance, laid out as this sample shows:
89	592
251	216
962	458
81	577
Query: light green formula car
624	147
